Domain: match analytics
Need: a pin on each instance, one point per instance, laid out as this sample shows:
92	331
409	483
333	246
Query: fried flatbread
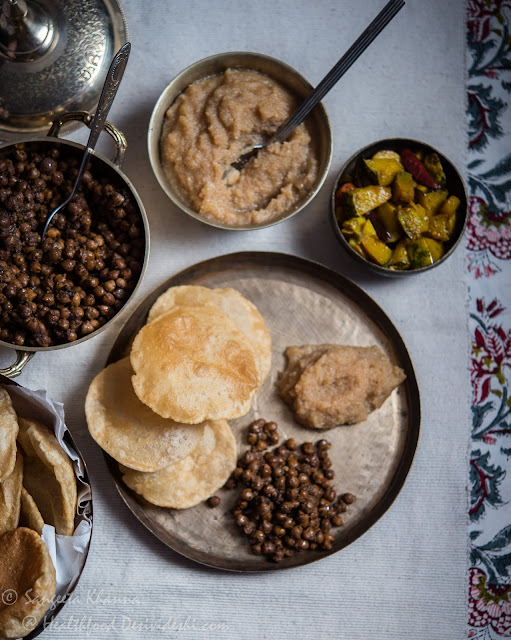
48	476
10	496
233	304
27	582
129	430
194	478
8	434
193	364
30	516
330	385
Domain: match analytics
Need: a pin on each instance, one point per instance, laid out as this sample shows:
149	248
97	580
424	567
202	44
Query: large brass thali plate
302	302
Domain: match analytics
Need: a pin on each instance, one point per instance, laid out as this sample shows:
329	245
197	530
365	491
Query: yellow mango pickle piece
432	200
424	252
436	248
368	228
355	244
434	167
403	187
386	154
413	219
387	214
365	199
450	205
353	226
400	259
383	170
419	254
376	250
441	226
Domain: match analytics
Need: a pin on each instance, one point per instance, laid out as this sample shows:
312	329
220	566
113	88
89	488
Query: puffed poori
233	304
30	516
194	478
193	364
48	476
128	430
27	582
41	487
197	362
10	496
8	434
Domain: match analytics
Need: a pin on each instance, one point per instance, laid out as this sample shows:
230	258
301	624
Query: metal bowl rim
373	266
155	125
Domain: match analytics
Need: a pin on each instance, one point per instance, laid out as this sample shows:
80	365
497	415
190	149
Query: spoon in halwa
112	82
331	78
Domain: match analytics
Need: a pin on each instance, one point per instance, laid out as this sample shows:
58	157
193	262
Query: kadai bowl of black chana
63	287
399	206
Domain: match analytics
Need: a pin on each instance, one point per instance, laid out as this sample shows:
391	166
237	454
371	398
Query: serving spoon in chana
331	78
112	82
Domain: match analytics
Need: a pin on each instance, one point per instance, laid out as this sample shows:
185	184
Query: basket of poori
210	114
221	401
45	500
66	288
399	206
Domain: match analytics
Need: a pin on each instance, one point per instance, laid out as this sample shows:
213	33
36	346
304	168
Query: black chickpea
78	266
288	504
213	502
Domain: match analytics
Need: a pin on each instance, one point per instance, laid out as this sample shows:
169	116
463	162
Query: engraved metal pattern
112	82
26	32
68	77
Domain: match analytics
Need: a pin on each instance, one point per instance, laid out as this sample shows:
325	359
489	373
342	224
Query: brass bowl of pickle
399	206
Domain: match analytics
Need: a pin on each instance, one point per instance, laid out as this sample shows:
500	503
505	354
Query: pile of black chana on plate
288	503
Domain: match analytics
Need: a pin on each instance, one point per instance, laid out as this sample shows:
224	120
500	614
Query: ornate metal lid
54	56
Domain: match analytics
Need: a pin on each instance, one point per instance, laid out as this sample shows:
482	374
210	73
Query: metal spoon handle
112	82
356	49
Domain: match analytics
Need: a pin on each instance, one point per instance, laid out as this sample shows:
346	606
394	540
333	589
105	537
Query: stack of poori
162	411
37	486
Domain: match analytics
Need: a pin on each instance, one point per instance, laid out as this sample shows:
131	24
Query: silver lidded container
54	56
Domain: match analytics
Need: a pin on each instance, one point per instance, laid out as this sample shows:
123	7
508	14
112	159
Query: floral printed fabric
488	242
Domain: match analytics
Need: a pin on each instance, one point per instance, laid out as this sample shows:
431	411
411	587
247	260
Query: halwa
211	124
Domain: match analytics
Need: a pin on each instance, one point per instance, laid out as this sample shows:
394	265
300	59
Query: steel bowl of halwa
216	110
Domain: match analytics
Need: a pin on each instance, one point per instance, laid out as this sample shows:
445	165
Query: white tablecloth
406	577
